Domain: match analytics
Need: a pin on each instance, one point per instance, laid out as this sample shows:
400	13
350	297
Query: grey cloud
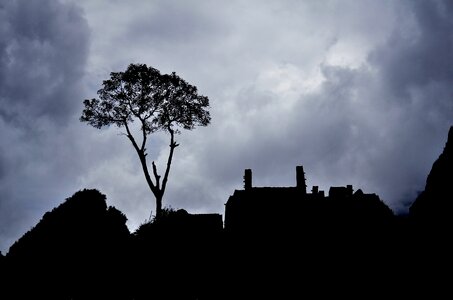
418	54
43	52
169	23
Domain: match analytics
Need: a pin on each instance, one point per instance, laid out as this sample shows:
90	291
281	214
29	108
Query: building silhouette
288	209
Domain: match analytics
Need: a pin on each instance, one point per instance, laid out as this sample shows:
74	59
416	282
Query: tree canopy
158	101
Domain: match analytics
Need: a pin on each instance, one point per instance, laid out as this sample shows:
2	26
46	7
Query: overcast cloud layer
359	92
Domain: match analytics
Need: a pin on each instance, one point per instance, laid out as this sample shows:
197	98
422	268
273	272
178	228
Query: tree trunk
158	197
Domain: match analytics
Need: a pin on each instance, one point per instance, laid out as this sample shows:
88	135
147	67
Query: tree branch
144	134
129	103
142	157
131	137
173	145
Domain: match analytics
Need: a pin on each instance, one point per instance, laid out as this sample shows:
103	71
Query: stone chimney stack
300	179
314	190
349	189
247	179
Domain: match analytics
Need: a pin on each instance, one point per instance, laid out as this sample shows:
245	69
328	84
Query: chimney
247	179
349	189
300	179
314	190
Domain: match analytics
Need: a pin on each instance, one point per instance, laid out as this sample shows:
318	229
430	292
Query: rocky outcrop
434	205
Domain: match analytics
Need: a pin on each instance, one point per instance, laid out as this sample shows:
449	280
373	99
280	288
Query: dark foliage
182	253
142	93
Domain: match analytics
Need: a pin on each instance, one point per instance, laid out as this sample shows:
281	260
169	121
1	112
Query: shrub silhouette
72	250
179	252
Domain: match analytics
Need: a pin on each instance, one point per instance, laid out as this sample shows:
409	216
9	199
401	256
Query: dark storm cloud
421	54
43	49
417	66
43	52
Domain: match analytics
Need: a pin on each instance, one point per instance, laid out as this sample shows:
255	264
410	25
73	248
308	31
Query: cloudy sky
359	92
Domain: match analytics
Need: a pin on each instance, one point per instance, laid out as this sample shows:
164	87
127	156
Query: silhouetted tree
158	102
